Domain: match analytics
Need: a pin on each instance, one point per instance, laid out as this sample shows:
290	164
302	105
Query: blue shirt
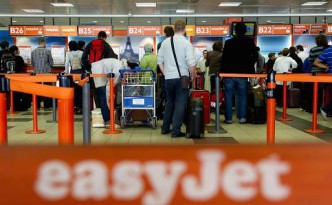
306	66
326	57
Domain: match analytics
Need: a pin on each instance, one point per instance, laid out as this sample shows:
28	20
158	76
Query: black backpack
7	63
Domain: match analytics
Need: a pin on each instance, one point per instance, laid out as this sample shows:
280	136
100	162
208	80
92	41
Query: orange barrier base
109	131
284	119
35	132
314	131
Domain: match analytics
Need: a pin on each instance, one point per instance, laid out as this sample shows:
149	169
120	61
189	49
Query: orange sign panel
26	30
318	29
329	29
190	30
300	29
212	30
274	29
144	31
68	30
94	30
52	31
186	175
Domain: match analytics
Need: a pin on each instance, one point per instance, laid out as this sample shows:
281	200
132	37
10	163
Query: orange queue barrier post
65	98
284	103
11	109
35	129
270	108
3	118
314	112
112	129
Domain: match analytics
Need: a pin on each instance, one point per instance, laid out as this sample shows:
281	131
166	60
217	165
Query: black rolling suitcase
195	119
22	101
256	106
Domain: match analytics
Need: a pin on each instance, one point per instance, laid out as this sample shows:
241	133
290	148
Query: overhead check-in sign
52	30
25	30
329	29
94	30
144	31
310	29
212	30
284	175
274	29
68	30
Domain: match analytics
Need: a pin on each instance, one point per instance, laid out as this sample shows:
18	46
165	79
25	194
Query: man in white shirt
300	53
176	96
204	71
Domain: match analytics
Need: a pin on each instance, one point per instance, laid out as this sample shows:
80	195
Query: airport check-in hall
170	102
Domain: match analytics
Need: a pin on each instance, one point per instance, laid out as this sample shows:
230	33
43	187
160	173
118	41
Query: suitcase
198	83
294	98
256	106
205	96
195	122
22	101
213	98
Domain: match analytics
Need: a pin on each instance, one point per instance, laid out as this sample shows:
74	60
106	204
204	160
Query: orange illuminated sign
274	29
329	29
68	30
301	29
212	30
190	30
26	30
94	30
318	29
144	31
52	31
186	175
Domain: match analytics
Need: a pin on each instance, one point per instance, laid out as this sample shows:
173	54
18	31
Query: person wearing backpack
73	59
19	66
96	50
6	57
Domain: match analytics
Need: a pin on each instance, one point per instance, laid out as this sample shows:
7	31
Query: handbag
185	80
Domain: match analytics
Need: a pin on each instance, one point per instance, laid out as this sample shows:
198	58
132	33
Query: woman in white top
73	59
283	64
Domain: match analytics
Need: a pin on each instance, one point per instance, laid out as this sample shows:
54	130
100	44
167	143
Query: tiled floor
286	132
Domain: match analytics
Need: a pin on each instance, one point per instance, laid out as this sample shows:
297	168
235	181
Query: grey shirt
41	60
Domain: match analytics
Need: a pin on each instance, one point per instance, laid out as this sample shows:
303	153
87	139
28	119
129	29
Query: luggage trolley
138	95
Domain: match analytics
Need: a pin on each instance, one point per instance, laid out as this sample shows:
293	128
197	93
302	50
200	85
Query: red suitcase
205	96
213	98
198	83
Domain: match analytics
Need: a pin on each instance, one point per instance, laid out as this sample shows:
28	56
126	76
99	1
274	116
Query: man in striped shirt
42	61
324	61
41	58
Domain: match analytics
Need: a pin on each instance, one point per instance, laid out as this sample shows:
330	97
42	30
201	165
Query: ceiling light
229	4
33	10
314	3
121	21
62	4
146	4
185	10
41	21
95	21
329	10
148	21
14	21
203	21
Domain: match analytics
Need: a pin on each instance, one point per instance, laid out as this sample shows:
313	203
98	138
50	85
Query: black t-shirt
19	65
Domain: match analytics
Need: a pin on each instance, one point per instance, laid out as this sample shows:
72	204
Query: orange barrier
271	113
35	129
172	175
112	129
65	98
3	118
284	103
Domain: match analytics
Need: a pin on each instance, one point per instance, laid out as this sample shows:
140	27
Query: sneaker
228	121
324	115
107	124
243	121
165	132
181	134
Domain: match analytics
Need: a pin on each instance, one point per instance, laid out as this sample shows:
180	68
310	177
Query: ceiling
166	7
125	12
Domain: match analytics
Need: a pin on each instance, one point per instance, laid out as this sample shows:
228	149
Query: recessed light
146	4
121	21
95	21
41	21
229	4
148	21
329	10
314	3
62	4
185	10
14	21
33	10
203	21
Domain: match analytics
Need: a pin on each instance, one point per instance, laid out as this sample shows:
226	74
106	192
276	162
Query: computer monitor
251	28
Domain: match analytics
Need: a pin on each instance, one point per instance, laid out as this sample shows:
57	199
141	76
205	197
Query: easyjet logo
157	182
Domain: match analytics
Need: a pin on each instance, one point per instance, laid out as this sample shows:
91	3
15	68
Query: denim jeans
240	86
176	101
101	92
